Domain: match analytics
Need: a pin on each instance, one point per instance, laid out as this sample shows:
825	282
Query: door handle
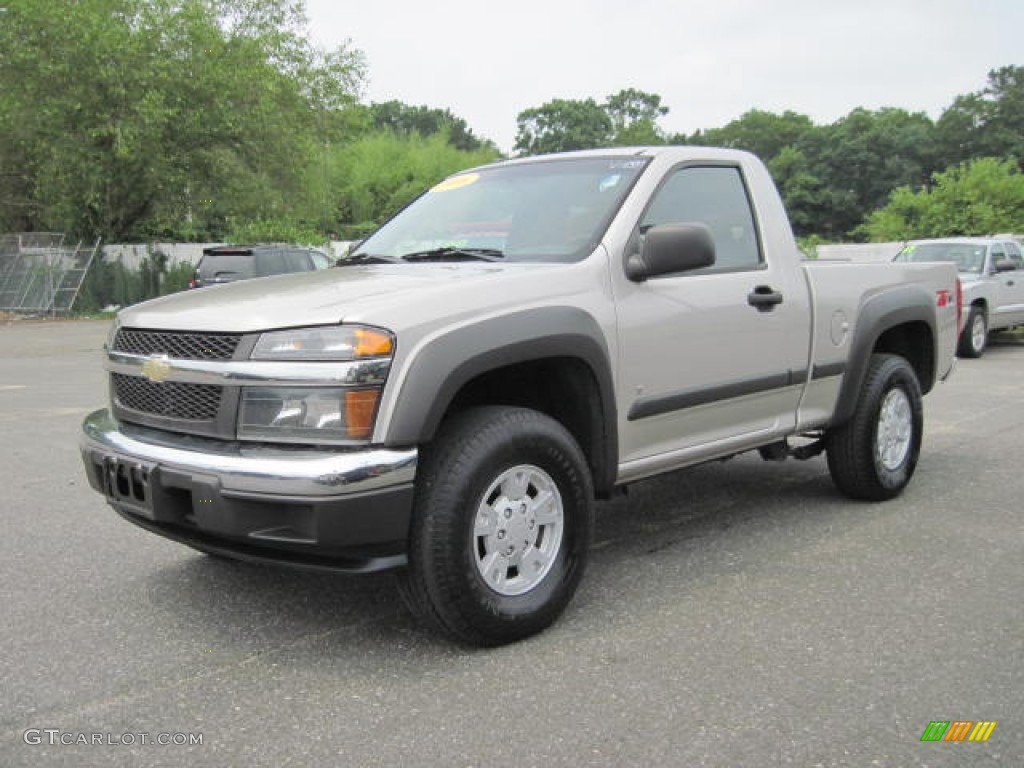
764	297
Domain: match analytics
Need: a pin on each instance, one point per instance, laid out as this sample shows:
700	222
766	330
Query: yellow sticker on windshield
456	182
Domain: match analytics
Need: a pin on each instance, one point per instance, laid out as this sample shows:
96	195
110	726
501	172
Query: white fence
859	251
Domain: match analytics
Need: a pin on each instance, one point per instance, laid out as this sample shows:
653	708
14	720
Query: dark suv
227	263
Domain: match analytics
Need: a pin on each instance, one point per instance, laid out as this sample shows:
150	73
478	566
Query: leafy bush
979	197
273	231
111	283
176	278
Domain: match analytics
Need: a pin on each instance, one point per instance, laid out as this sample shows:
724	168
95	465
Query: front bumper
327	509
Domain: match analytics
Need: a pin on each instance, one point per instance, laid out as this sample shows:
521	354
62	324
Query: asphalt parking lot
738	614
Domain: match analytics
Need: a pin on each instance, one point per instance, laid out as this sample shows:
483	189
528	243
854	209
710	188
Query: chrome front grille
177	344
141	395
169	400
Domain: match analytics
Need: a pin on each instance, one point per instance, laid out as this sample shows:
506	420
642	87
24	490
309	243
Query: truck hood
321	298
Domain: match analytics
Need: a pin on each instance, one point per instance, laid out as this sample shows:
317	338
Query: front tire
501	526
874	454
974	338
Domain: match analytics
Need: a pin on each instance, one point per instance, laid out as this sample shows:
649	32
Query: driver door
705	366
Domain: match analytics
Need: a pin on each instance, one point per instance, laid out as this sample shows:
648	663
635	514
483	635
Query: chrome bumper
251	468
327	509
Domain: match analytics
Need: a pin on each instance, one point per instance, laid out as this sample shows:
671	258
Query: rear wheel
874	454
501	526
974	338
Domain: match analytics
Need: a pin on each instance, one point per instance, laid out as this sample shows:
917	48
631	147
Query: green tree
861	158
425	121
957	132
634	116
987	123
132	119
981	196
804	193
627	118
765	134
561	125
375	175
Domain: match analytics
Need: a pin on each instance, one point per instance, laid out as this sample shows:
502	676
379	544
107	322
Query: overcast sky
710	61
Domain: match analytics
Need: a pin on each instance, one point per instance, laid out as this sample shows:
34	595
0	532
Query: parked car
228	263
992	274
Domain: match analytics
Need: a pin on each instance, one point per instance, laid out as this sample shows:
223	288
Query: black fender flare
447	363
880	313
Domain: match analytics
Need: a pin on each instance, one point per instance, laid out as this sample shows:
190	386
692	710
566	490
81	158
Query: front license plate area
129	484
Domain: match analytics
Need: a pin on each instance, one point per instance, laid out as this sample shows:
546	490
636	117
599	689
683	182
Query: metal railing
39	273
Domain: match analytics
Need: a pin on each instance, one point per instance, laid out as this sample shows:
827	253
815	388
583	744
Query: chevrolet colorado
522	339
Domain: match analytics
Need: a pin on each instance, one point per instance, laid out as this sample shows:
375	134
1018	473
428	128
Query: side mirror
671	248
1004	265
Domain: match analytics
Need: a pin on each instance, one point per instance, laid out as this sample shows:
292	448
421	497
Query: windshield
968	257
554	211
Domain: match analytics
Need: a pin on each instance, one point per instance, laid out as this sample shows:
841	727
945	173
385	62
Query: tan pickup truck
521	340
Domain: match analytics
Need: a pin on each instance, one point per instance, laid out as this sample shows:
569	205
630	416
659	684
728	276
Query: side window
299	261
1013	254
270	263
997	253
716	197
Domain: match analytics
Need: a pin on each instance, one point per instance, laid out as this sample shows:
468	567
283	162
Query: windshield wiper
367	258
450	252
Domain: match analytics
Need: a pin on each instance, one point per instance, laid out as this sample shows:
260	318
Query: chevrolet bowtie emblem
156	368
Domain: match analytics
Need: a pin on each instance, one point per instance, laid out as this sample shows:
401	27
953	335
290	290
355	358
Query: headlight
307	414
336	342
315	413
